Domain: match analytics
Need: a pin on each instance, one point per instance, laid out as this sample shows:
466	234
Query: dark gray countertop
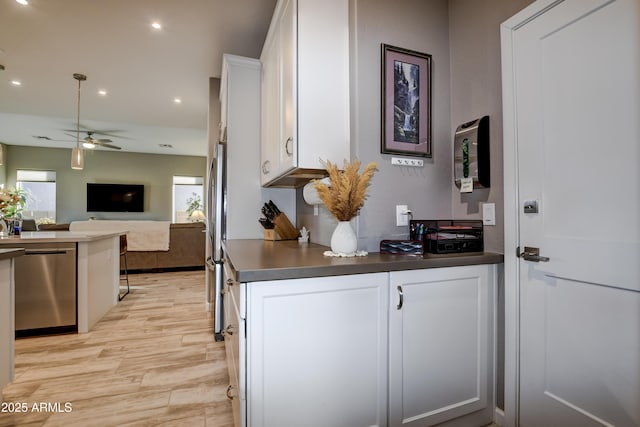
11	253
259	260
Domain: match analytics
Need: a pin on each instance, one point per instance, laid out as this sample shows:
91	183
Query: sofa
186	249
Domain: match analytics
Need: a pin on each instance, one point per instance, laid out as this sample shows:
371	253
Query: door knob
532	254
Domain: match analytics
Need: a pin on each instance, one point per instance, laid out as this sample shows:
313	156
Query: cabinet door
317	352
234	341
270	109
440	345
287	147
278	94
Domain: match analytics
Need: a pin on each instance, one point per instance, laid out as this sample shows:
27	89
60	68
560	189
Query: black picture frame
406	102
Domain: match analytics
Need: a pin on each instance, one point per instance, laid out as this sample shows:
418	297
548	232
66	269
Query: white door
575	69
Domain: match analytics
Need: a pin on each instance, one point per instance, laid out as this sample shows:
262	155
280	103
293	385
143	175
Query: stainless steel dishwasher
45	289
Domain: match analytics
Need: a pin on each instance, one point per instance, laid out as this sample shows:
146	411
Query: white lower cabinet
235	345
410	348
317	352
441	346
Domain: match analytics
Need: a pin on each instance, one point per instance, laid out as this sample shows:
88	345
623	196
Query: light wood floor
150	361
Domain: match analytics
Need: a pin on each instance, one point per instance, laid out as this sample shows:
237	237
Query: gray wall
418	25
476	90
463	37
155	171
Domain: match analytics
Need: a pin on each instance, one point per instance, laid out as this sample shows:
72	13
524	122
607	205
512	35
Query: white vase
343	239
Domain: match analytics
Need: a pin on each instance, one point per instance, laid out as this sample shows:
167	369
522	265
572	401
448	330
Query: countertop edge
296	262
58	237
10	253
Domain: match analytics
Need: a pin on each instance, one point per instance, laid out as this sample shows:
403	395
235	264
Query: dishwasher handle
47	251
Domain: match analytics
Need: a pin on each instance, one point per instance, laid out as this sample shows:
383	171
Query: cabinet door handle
288	146
229	391
400	298
266	167
230	282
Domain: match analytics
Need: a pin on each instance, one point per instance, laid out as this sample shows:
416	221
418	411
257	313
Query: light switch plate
402	216
489	214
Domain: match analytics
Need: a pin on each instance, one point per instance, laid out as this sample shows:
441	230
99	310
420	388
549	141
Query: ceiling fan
90	142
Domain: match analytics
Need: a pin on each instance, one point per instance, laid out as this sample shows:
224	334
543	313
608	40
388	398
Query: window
40	187
187	198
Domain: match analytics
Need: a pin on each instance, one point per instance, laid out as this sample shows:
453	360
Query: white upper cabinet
305	91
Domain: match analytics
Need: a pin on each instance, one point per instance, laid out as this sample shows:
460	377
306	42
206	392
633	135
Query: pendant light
77	154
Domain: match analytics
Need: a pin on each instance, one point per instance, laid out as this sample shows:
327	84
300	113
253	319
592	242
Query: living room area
167	201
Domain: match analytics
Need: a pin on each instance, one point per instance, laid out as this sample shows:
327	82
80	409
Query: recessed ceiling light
156	25
22	2
16	82
102	92
177	100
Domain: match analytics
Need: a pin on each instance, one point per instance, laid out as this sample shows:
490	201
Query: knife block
283	229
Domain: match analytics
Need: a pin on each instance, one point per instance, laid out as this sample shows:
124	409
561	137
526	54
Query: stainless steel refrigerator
216	230
234	194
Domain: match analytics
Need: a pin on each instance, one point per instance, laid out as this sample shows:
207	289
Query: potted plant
12	203
195	208
343	196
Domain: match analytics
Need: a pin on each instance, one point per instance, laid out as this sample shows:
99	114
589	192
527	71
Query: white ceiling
143	70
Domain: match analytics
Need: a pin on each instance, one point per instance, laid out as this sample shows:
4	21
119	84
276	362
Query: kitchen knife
274	208
266	223
268	213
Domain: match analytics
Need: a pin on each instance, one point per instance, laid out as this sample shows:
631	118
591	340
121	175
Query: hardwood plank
151	360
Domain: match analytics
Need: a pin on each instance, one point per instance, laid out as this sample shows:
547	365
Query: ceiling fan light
77	158
89	145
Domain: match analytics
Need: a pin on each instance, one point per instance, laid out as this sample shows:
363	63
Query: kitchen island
97	256
7	259
379	340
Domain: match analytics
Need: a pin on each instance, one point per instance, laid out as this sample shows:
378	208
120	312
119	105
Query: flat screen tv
115	197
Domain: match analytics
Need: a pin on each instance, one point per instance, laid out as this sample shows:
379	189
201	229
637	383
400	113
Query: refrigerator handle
210	264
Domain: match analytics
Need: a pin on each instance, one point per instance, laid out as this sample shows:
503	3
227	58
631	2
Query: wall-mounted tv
115	197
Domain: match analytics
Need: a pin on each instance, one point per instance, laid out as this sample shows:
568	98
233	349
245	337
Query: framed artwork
406	102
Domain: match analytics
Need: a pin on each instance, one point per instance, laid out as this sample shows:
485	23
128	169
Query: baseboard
498	417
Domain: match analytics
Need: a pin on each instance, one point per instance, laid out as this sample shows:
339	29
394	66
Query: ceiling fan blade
85	129
107	132
102	141
46	138
74	137
106	145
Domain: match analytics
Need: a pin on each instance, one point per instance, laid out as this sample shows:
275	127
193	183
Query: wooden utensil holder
283	229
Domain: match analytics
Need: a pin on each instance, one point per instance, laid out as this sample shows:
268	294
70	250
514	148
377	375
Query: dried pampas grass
348	190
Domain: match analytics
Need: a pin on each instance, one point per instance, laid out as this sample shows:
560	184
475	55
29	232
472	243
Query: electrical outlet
401	161
402	215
